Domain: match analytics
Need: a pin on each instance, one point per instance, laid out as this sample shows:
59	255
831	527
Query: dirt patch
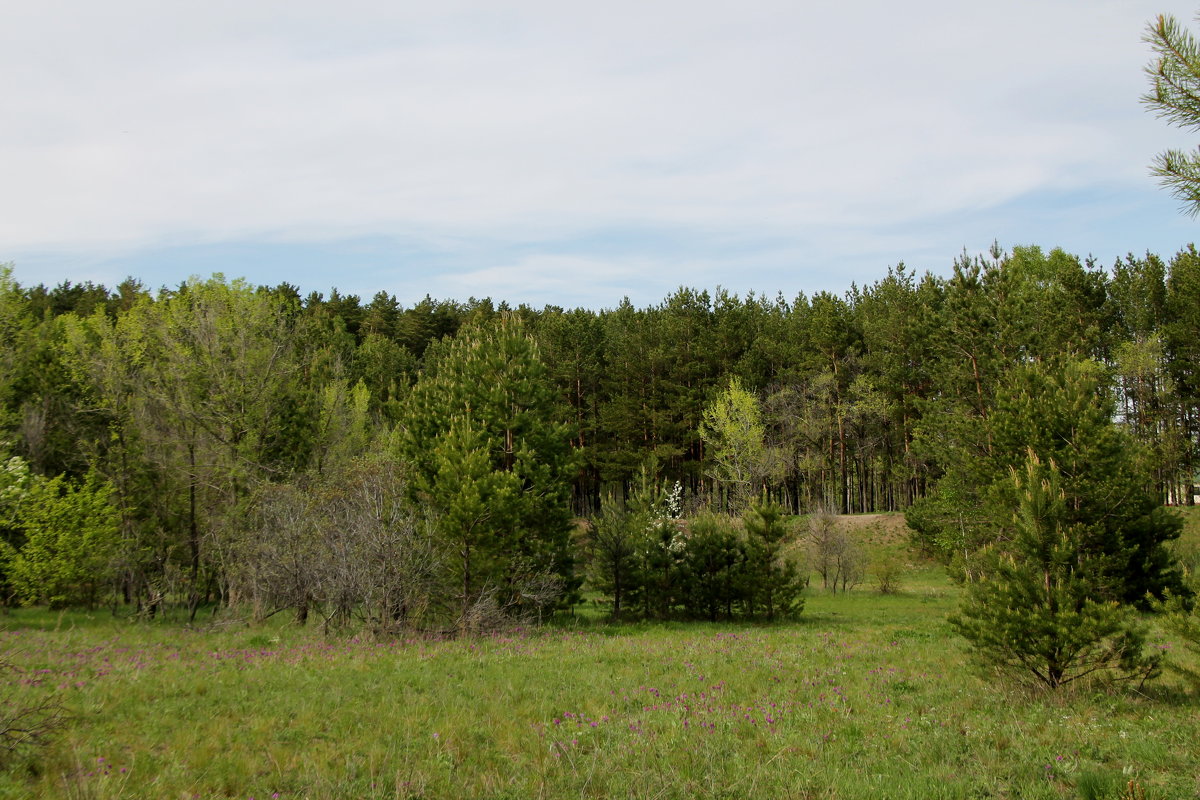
877	529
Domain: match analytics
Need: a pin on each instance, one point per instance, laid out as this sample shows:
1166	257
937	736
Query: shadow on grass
1165	694
47	619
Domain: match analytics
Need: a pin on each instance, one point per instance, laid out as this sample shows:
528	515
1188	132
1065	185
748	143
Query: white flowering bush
673	502
647	559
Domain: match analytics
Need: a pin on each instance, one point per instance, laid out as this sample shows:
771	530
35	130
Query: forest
333	520
934	536
211	442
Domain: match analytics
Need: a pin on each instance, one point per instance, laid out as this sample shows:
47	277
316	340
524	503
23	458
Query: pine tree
1039	610
622	535
712	577
1063	412
491	456
1175	96
775	584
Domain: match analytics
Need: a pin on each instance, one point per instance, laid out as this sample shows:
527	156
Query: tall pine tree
491	455
1061	412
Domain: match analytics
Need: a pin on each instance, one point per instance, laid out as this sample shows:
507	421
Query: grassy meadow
864	696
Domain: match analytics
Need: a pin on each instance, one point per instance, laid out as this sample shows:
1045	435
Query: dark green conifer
492	458
1040	607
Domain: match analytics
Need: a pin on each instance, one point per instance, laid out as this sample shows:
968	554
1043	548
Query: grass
866	696
1187	547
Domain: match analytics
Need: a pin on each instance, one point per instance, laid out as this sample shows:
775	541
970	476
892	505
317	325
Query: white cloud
563	279
132	125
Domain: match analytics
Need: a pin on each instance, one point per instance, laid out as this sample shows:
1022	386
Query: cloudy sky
544	151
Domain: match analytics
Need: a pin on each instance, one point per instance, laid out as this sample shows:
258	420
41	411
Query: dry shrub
833	553
27	720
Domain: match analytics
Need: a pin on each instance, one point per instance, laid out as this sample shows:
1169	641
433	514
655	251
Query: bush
71	535
344	546
708	569
887	572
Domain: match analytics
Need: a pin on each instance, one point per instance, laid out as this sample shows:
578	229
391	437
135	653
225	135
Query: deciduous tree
69	537
733	430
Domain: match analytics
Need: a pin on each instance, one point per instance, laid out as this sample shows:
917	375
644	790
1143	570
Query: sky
551	152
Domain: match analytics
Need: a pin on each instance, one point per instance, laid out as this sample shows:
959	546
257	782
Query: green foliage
15	481
70	536
713	573
37	395
492	458
1064	415
1175	96
1181	320
205	394
345	424
704	568
14	485
774	584
733	430
1039	609
947	523
15	326
618	541
192	400
887	572
1061	412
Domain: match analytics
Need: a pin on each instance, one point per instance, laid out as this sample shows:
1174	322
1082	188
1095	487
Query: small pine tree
1035	611
713	571
775	582
1063	412
618	536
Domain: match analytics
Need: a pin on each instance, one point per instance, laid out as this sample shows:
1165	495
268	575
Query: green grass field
866	696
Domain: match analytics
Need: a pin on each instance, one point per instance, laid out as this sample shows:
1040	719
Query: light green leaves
70	535
734	432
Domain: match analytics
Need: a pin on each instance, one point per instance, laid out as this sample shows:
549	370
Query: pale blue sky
551	152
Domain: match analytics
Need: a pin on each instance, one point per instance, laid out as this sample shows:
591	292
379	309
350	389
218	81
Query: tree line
202	411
